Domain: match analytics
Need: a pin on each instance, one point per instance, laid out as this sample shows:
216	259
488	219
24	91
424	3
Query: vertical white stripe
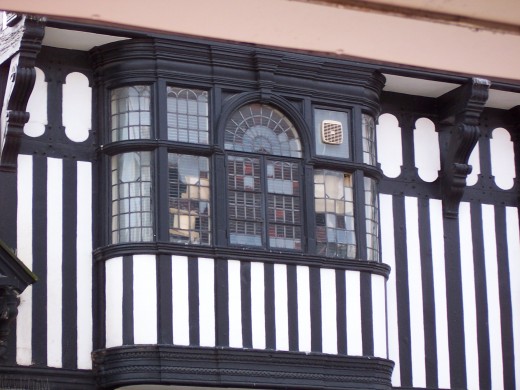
84	264
468	297
353	303
280	307
415	293
439	286
207	302
24	251
54	260
513	251
258	305
379	315
145	299
235	304
493	296
329	323
114	302
388	256
180	302
304	308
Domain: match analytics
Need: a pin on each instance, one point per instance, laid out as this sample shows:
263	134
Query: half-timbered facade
210	214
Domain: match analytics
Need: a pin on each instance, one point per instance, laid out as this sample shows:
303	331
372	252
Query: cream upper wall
307	26
499	11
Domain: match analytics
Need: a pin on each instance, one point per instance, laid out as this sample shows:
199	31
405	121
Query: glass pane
259	128
369	140
333	202
189	199
132	219
130	113
187	115
372	219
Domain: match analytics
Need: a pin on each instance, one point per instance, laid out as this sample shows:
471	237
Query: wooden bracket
459	112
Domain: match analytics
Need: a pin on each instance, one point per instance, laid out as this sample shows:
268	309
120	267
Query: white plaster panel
84	264
353	303
77	107
180	301
234	304
379	316
258	305
415	293
329	324
304	308
37	107
207	302
24	238
145	299
54	261
389	147
114	302
426	148
502	158
280	307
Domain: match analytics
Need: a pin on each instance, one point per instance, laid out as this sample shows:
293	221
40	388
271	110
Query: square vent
331	132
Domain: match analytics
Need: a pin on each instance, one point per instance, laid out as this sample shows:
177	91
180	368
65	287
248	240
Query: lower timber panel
195	301
160	364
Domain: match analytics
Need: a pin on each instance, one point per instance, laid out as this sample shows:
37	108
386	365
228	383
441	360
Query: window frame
223	99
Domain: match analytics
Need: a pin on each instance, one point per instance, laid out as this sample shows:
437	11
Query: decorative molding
45	378
21	44
269	257
14	278
460	111
168	365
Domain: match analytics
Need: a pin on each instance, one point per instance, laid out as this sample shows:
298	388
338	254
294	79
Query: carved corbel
459	112
14	279
20	43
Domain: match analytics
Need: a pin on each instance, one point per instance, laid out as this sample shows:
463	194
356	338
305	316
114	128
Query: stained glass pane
333	203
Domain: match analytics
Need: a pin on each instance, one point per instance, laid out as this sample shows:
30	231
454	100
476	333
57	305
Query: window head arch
261	128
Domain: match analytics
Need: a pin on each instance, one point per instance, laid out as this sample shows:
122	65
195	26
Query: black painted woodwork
227	367
20	43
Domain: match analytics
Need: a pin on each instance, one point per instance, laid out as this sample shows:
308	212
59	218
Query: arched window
264	176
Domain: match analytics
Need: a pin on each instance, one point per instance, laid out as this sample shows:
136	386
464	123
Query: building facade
211	214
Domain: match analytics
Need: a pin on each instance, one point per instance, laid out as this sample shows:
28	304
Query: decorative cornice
460	111
20	46
168	364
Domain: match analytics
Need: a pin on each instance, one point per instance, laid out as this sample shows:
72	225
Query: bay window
210	167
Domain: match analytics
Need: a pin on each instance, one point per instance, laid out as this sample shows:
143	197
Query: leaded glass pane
283	205
259	128
245	201
369	139
189	199
187	115
372	219
334	207
130	113
132	219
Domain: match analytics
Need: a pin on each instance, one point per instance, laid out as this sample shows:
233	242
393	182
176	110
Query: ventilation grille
331	132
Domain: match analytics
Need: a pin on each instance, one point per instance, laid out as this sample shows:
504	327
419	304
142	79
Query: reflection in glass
369	139
132	217
189	199
130	113
372	219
